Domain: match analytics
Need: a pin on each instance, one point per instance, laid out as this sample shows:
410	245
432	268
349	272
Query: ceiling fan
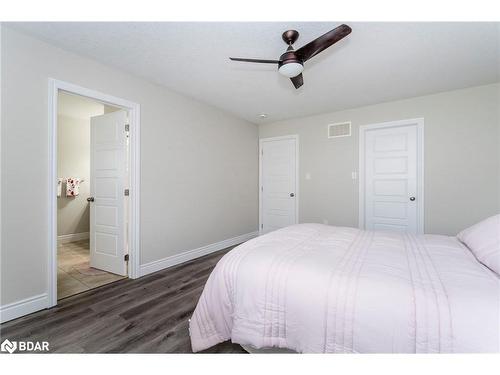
291	63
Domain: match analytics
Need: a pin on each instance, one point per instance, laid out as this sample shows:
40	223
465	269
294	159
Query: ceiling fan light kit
291	70
291	63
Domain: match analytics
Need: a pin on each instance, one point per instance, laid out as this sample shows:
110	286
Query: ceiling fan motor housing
290	65
289	57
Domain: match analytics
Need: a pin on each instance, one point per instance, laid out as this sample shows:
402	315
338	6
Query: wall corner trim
24	307
157	265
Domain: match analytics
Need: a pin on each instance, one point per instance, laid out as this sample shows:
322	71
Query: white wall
198	164
73	160
462	158
73	139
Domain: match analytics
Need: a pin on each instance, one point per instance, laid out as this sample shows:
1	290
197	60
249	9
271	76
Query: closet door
391	179
278	177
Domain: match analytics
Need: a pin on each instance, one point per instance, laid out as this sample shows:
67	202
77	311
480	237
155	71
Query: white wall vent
341	129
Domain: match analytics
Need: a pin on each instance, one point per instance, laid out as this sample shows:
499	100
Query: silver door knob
412	198
292	195
90	199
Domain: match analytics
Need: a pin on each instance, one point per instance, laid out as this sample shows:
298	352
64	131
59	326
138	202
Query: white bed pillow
483	239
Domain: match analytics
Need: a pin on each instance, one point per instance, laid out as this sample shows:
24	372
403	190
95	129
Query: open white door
108	175
278	176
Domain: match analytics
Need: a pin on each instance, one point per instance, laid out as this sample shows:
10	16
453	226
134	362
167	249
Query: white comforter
314	288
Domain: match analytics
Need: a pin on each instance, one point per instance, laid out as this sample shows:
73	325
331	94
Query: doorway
79	266
391	193
94	206
278	175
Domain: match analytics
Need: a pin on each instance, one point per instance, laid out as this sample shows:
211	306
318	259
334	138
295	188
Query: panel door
278	174
391	179
108	174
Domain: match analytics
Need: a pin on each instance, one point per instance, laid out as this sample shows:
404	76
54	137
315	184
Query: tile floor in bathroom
74	274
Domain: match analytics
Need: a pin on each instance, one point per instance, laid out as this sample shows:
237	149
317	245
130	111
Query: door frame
297	195
419	123
133	238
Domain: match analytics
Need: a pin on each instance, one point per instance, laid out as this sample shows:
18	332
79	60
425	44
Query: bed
312	288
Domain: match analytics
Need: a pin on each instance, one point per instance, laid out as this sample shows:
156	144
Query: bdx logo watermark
24	346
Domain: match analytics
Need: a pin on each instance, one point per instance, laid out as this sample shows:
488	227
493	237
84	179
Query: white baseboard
72	237
30	305
24	307
173	260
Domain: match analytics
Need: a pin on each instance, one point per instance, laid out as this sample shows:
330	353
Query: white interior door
278	183
108	176
391	173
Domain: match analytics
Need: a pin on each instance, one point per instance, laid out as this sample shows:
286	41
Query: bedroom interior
260	211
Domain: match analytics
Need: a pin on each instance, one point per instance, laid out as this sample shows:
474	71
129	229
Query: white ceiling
378	62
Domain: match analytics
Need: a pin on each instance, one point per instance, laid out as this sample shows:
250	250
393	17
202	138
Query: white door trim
297	195
134	135
419	122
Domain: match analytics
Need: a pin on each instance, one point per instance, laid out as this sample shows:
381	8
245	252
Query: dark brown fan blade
255	60
323	42
297	81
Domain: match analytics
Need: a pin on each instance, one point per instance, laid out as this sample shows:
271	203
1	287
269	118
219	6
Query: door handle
292	195
412	198
90	199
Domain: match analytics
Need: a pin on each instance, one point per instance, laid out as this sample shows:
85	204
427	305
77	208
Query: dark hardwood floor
146	315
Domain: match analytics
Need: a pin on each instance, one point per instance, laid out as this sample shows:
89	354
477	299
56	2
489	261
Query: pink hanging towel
72	187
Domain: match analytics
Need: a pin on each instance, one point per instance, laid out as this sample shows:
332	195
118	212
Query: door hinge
262	188
127	127
126	192
261	226
126	257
